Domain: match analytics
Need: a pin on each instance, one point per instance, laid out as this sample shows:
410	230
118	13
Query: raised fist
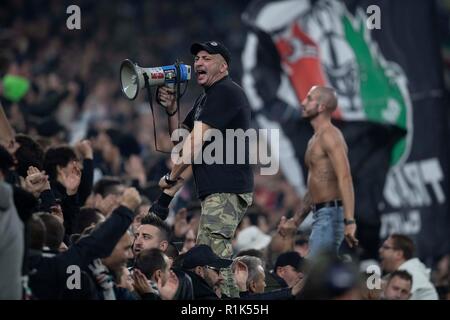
84	148
131	198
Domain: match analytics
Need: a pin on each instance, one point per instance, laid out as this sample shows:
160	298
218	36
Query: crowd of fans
78	181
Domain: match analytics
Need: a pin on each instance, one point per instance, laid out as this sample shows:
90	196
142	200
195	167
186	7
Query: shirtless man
330	189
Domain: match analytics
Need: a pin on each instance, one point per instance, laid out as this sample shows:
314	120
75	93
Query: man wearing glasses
397	253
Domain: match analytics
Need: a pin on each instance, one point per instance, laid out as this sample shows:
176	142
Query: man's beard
313	115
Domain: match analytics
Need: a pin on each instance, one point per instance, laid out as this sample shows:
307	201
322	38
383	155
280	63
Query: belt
328	204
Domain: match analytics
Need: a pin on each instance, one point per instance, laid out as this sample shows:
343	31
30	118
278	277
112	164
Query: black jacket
69	204
48	275
185	289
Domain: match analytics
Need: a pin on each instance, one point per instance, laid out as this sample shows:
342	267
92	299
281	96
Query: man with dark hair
152	233
204	268
405	244
398	286
155	266
150	261
397	253
108	185
288	269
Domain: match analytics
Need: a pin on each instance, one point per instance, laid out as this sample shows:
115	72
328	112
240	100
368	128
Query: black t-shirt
223	106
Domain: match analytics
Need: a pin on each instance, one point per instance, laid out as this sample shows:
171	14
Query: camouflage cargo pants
221	214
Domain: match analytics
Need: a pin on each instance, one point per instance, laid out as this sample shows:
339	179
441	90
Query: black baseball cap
212	47
291	258
202	255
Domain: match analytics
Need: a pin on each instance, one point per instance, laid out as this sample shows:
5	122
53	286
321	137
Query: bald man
225	188
330	193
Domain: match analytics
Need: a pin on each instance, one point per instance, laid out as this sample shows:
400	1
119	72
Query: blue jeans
327	231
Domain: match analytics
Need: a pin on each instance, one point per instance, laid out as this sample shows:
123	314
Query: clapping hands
36	181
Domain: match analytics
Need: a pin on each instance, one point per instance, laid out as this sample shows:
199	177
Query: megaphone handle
160	103
157	96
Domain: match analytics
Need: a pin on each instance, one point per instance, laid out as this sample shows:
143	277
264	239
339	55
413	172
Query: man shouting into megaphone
224	188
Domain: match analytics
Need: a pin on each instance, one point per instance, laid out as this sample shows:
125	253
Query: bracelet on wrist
169	181
349	221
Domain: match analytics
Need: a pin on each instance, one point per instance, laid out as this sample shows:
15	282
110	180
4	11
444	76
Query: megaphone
132	76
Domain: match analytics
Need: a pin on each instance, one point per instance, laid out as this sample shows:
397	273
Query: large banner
382	58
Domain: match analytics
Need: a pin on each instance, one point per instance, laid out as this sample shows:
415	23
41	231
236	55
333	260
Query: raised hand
166	97
287	227
36	181
140	283
167	292
71	180
298	286
131	199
